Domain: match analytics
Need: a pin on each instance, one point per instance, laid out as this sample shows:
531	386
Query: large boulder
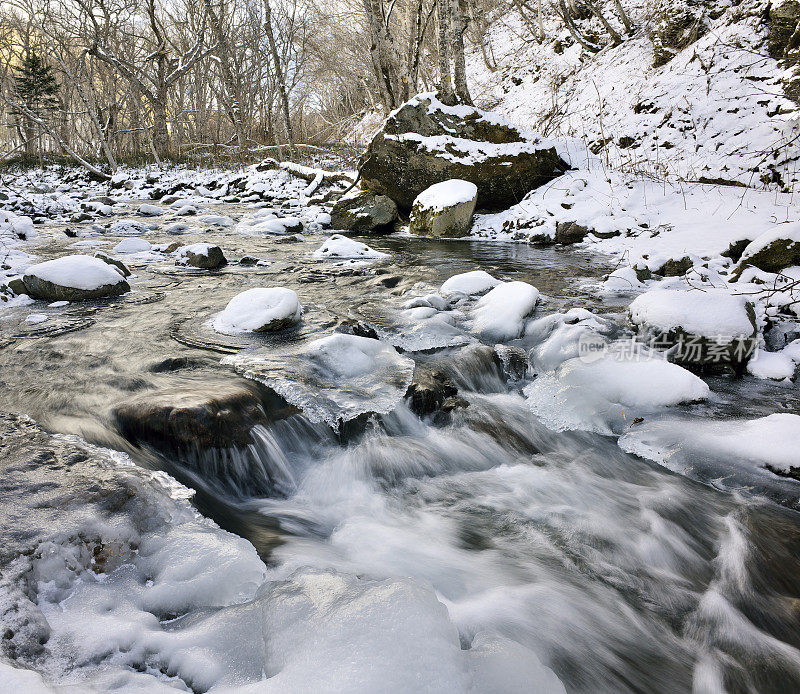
445	209
784	16
74	278
364	213
201	416
677	24
772	251
426	142
697	328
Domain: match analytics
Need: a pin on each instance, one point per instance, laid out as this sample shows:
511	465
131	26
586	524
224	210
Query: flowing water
616	573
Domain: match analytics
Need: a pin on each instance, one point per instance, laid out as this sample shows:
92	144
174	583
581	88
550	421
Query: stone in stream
259	310
207	415
201	255
426	142
74	278
444	209
697	328
365	213
429	390
570	232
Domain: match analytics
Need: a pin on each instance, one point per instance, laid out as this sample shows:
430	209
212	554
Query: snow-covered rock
500	314
132	245
128	227
778	366
258	310
699	327
767	442
150	210
74	278
444	209
333	379
18	225
773	251
426	142
339	247
605	395
473	283
201	255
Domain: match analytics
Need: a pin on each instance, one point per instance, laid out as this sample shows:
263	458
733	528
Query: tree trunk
446	94
279	77
458	25
30	138
160	131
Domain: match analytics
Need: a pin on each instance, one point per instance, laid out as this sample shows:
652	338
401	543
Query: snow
19	225
446	194
132	245
215	220
36	318
470	283
766	441
500	315
777	366
606	395
76	272
705	313
256	308
340	247
195	249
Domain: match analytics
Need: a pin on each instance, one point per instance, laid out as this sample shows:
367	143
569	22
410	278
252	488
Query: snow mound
132	245
340	247
333	379
705	313
442	195
769	442
471	283
606	395
259	310
76	272
500	315
777	366
19	226
150	210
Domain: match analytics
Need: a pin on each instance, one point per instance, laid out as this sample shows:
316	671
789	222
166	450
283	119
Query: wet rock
429	390
455	403
201	255
80	217
364	213
171	364
444	210
570	232
106	258
425	142
351	326
675	267
206	415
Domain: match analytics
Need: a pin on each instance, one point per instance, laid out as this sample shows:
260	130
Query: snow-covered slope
716	111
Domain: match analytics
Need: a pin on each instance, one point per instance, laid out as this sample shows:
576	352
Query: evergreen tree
36	88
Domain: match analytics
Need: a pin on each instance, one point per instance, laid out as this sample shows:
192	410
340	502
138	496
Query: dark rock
171	364
677	25
783	20
211	260
364	213
181	418
80	217
351	326
402	167
642	273
570	232
106	258
735	250
17	286
774	257
429	390
49	291
675	267
103	200
455	403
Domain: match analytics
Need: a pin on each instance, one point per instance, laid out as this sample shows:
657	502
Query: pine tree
36	88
